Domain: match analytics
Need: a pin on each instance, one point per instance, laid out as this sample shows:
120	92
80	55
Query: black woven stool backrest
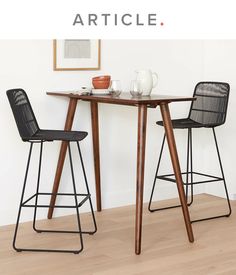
23	113
210	107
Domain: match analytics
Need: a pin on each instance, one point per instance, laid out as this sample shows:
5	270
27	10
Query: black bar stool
30	132
208	111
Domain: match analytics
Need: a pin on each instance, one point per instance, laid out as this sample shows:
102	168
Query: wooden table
142	103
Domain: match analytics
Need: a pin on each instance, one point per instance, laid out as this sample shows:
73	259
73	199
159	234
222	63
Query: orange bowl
102	77
101	82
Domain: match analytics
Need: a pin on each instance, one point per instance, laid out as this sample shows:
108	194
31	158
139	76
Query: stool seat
183	123
50	135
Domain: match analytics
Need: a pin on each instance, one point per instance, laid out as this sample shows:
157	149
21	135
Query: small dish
100	92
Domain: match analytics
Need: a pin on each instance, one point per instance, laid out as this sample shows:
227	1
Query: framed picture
76	54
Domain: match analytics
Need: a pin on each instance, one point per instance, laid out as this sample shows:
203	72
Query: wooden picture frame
76	55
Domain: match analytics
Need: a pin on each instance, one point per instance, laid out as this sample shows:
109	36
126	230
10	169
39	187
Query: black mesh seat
50	135
30	132
207	111
184	123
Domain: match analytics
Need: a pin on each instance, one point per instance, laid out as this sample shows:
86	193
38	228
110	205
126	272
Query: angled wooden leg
176	167
96	155
141	142
62	155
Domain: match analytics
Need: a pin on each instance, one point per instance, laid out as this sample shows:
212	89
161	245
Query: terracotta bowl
101	82
102	77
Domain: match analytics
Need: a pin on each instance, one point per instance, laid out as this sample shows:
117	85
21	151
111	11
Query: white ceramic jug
146	81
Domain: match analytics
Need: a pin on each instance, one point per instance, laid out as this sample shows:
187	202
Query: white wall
179	64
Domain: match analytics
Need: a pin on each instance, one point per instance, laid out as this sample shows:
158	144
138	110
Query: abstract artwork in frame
76	54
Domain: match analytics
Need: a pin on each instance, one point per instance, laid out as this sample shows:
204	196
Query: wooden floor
165	248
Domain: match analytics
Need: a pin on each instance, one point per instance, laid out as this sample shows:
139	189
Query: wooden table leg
142	123
176	167
62	155
96	155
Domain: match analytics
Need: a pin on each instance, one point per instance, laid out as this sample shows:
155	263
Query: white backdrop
180	64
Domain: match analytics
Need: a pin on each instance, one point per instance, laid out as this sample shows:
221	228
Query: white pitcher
147	81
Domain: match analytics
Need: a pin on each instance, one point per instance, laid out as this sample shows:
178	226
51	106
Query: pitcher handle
154	81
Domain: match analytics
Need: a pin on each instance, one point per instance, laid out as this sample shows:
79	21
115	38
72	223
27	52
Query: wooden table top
125	98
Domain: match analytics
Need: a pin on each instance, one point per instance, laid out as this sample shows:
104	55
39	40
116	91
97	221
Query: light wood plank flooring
165	248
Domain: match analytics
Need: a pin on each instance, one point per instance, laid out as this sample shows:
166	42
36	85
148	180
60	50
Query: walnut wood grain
141	142
68	124
176	167
124	98
96	153
142	103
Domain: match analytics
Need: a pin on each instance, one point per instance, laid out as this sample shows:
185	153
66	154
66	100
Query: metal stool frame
189	124
30	132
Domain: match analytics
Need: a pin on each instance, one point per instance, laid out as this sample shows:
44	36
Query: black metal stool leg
22	198
187	173
37	188
225	187
187	168
189	160
191	183
76	202
191	164
88	192
36	205
155	178
222	173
